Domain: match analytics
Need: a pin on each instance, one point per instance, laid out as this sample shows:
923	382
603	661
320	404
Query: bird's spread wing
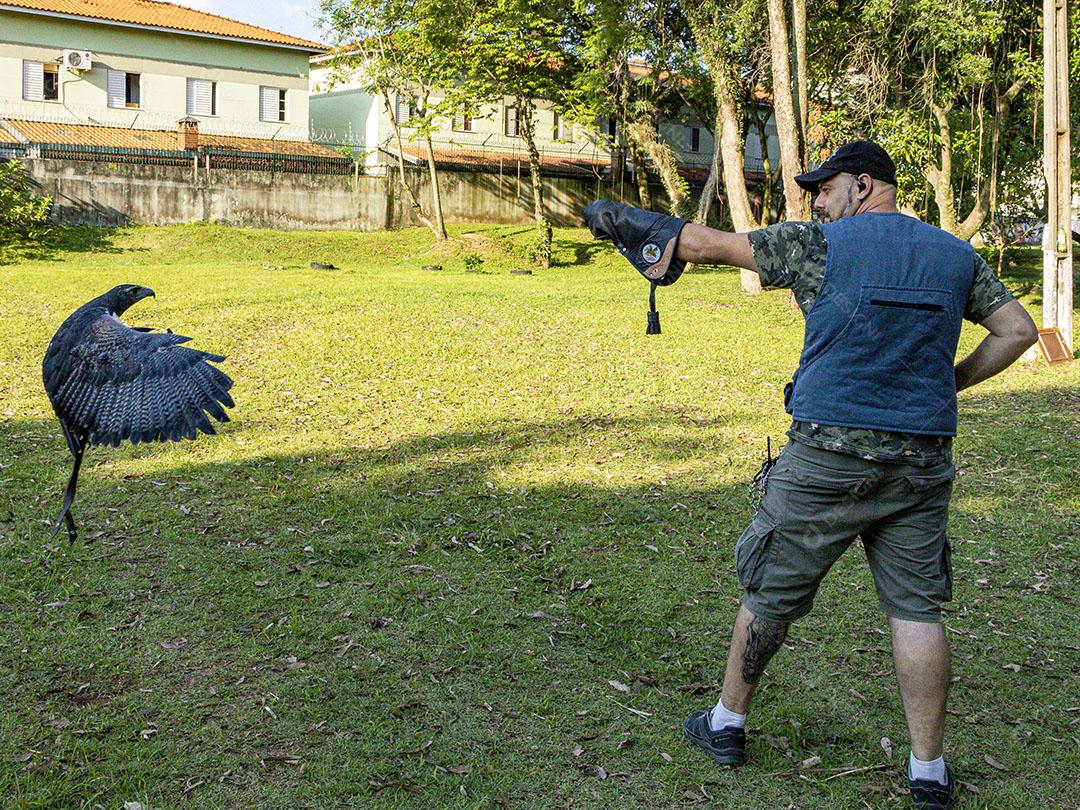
117	383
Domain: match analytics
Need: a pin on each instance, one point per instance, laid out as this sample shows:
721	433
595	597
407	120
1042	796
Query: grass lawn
468	542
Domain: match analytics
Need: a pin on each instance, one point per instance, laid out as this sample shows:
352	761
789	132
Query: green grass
450	509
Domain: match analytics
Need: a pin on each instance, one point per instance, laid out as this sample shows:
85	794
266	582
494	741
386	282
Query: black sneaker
727	746
648	240
930	794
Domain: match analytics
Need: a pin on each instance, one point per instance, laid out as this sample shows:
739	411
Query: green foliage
23	214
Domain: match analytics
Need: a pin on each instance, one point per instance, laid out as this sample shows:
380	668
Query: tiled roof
121	137
510	161
162	15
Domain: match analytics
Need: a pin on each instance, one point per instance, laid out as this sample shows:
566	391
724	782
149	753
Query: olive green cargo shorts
817	503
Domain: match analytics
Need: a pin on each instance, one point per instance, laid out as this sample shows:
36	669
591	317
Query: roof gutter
312	49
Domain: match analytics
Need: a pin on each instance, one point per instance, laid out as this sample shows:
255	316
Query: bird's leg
69	496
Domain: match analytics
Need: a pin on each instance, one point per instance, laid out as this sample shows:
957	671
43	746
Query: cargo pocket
751	552
923	482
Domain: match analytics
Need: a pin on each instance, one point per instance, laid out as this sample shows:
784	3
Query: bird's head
121	297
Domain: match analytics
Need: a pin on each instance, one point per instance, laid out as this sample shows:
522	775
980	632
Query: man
874	409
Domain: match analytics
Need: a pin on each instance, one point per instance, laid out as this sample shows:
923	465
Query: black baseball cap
857	157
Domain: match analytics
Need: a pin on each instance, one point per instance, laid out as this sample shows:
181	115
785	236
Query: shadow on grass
59	240
410	608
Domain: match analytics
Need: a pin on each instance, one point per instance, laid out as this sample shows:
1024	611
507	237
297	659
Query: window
559	130
41	81
271	104
124	89
201	97
51	82
693	139
463	121
510	122
404	109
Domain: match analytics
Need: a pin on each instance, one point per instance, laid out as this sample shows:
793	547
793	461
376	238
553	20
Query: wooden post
1057	236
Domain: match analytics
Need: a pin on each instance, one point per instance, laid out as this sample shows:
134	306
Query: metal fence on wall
204	159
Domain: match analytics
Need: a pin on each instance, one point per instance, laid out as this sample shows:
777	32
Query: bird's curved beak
146	292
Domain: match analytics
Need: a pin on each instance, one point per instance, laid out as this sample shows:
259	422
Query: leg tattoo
764	638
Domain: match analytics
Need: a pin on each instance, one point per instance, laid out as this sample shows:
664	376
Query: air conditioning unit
78	60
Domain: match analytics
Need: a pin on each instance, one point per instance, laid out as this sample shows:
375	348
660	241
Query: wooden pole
1057	236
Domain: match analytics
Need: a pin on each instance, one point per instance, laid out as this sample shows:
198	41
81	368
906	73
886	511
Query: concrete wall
164	61
98	193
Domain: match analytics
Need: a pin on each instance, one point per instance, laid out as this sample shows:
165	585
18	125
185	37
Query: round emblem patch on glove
651	253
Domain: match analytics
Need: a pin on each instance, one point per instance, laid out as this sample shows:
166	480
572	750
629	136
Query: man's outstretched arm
1011	333
703	245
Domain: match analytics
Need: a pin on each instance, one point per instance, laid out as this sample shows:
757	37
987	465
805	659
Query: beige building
144	65
345	112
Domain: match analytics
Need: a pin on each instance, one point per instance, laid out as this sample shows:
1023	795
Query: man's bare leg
754	640
921	658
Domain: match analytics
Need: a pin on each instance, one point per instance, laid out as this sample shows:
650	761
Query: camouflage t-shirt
792	255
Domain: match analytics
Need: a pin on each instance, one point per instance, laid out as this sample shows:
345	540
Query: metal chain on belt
759	484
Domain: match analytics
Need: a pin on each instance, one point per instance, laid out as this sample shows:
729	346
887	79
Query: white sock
720	717
934	769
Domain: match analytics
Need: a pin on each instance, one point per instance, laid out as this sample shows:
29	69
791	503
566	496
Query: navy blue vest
881	335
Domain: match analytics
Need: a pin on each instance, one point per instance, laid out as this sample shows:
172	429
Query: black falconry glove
648	241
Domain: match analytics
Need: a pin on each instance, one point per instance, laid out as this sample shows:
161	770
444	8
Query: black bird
108	382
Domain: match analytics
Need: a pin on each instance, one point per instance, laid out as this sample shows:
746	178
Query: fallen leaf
262	583
855	694
459	770
622	687
133	806
174	645
322	584
578	751
1013	667
665	756
539	614
993	763
810	762
886	746
601	772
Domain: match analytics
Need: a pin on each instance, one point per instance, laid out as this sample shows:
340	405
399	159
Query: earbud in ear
862	185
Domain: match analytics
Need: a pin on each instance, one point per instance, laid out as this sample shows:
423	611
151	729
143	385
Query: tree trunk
641	176
708	194
733	159
436	197
643	135
939	174
800	75
527	122
417	209
787	125
710	28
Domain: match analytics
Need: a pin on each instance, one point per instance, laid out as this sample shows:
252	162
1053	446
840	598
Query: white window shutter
511	121
117	88
33	81
403	109
200	97
268	104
